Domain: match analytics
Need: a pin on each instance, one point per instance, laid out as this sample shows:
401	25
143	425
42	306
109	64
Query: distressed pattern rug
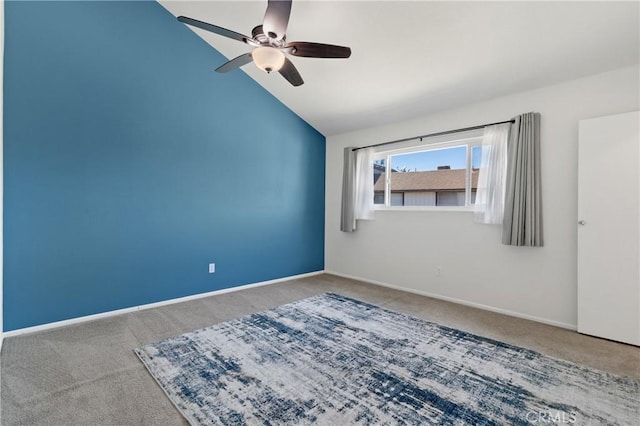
332	360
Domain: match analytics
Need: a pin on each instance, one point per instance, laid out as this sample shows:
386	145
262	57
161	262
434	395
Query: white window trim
470	142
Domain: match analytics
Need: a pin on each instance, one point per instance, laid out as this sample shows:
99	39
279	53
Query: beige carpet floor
87	374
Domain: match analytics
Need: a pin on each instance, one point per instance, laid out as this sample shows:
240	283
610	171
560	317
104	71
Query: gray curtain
347	217
522	224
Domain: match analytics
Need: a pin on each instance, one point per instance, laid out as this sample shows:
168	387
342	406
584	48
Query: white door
609	227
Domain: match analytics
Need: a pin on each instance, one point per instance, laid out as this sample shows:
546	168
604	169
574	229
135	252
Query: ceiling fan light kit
268	59
270	46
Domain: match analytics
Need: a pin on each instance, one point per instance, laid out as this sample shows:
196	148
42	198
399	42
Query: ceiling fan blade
235	63
289	72
317	50
276	18
214	29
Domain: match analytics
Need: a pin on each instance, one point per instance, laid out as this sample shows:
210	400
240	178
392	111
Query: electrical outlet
438	271
212	268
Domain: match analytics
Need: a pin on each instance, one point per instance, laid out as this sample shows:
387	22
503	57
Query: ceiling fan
270	45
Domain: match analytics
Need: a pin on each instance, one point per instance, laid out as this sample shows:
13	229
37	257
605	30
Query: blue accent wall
130	165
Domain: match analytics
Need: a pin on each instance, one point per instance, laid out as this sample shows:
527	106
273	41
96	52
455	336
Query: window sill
468	209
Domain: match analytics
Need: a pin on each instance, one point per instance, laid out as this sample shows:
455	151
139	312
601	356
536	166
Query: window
442	175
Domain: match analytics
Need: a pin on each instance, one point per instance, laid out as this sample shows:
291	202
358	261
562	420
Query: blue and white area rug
332	360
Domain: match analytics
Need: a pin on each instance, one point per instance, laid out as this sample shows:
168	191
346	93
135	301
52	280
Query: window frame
469	142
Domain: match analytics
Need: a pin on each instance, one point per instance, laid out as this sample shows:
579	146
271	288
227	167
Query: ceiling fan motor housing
258	35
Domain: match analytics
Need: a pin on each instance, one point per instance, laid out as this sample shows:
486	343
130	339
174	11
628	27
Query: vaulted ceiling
411	58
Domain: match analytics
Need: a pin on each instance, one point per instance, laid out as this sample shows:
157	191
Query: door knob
582	222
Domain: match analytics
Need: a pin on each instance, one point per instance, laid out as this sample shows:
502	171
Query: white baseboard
572	327
48	326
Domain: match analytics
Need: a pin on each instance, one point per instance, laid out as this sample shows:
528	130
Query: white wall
1	158
406	248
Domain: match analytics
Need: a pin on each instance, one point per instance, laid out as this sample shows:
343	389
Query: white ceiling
412	58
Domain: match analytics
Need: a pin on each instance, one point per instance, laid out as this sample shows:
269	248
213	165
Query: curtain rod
435	134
